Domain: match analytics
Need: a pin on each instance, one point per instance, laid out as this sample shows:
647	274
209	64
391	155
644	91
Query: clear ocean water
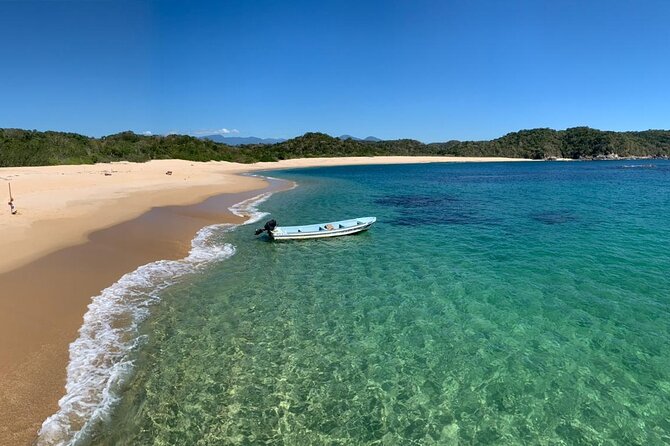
496	303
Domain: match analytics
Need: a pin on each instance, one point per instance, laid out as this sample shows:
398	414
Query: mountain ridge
367	138
241	140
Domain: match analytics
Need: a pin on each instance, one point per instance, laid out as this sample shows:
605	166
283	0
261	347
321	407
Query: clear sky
429	70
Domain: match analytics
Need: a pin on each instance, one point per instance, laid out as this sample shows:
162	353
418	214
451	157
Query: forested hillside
33	148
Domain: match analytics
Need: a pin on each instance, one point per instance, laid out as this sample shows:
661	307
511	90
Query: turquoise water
491	304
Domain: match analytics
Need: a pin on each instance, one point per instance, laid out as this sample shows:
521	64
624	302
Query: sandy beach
77	231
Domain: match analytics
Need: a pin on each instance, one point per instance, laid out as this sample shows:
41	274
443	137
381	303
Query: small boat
321	230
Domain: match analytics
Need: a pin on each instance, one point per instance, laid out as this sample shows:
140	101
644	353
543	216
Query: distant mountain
369	138
238	140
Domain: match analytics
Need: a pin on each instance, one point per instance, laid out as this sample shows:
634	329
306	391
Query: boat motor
269	227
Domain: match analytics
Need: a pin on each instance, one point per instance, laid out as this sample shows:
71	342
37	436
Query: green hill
575	143
33	148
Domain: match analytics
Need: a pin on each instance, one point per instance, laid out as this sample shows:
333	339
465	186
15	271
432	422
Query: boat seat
341	226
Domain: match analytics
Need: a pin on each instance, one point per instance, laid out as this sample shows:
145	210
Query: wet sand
44	301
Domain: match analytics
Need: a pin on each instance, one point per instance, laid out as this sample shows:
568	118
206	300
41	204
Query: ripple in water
535	334
554	217
101	357
427	210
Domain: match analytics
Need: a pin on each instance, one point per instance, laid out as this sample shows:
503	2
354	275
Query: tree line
34	148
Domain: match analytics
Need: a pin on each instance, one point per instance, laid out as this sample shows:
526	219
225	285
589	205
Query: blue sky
429	70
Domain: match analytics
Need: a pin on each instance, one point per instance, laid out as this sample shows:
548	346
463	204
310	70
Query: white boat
320	230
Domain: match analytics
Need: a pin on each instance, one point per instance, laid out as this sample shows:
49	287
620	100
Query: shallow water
520	303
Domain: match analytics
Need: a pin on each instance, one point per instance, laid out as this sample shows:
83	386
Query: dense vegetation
33	148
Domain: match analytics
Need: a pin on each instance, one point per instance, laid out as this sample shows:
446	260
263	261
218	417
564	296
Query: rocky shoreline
609	157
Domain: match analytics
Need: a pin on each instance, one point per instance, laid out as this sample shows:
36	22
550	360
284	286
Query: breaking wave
101	357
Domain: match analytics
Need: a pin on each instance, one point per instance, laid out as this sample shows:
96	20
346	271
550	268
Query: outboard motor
269	227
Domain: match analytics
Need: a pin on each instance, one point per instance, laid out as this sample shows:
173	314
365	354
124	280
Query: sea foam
101	357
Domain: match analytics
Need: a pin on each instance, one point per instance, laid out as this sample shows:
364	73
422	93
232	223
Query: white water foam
100	358
268	177
249	208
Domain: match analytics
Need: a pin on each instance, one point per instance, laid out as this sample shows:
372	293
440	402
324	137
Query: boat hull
320	231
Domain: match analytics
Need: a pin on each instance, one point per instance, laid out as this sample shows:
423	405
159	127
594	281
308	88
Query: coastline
55	203
64	248
45	300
